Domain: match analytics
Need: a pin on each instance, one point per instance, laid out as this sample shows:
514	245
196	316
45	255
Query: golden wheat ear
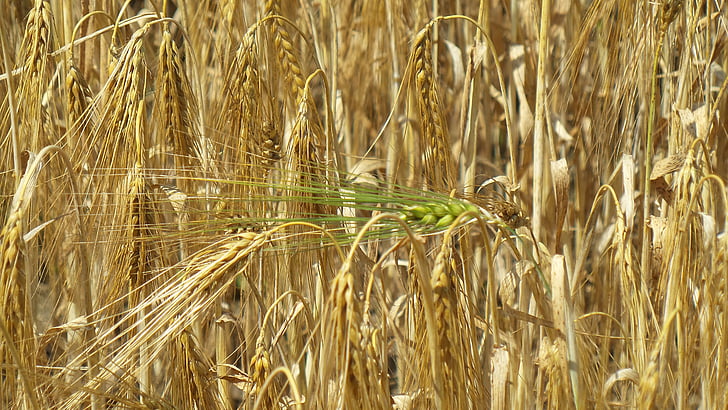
435	140
287	58
175	111
37	63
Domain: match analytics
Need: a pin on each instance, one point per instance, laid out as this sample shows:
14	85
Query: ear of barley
260	369
175	111
16	311
303	158
114	139
242	117
170	310
78	99
190	374
271	144
342	340
35	77
373	357
450	326
435	142
118	115
287	58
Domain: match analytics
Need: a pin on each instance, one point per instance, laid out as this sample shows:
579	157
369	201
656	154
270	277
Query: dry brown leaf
525	114
458	68
695	121
619	376
560	178
561	131
238	378
628	187
659	227
508	288
667	166
477	54
662	189
718	76
225	318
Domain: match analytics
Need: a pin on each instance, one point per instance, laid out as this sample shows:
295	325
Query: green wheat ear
439	215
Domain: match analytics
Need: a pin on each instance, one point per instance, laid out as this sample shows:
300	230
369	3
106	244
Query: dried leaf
627	201
478	52
80	323
662	189
620	375
695	121
718	76
458	68
659	227
297	308
176	197
225	318
561	131
503	181
525	114
560	178
709	230
33	232
667	166
238	378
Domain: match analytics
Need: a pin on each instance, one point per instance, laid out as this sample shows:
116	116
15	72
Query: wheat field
363	204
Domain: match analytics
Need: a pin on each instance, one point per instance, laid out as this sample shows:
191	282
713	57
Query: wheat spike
287	58
260	370
78	97
34	81
16	311
190	374
176	107
347	339
17	316
435	141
